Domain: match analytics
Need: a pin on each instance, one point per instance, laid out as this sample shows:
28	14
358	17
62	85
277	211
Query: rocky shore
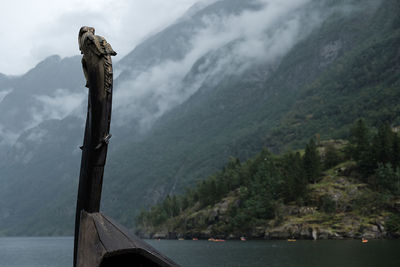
290	230
343	208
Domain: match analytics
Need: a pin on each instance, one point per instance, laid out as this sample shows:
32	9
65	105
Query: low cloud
37	136
227	43
7	137
236	41
4	93
57	106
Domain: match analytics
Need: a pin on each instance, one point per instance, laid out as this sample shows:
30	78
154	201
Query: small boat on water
195	239
242	238
291	240
364	240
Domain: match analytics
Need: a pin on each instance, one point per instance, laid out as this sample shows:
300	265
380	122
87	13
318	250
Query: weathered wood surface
97	68
98	240
102	242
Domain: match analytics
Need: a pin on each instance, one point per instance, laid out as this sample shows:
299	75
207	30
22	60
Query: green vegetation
279	107
330	183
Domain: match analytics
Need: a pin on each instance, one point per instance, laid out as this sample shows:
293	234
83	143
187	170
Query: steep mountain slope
174	43
152	78
24	105
245	112
42	125
40	133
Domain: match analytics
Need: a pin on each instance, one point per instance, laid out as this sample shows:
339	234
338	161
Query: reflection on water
57	252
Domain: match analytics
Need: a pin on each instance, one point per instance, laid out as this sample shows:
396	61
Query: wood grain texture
97	68
99	241
102	242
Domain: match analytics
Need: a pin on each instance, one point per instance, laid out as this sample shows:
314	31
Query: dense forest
263	187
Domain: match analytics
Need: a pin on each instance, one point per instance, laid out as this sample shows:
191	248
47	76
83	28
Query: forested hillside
332	189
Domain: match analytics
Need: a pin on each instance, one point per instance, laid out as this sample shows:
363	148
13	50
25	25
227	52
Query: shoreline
313	235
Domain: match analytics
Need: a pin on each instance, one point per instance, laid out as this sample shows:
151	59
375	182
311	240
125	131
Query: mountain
25	103
41	131
264	106
224	80
174	42
43	125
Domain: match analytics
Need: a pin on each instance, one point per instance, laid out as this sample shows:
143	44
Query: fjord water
57	252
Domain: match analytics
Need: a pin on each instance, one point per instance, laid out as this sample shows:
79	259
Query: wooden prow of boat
99	241
102	242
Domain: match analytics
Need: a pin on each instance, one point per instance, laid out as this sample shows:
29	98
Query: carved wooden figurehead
98	240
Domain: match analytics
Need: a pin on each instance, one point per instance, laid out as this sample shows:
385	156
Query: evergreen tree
185	202
388	178
231	174
332	157
395	156
382	144
359	140
294	181
263	191
360	149
312	162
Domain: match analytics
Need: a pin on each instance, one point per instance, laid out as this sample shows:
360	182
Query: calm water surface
57	252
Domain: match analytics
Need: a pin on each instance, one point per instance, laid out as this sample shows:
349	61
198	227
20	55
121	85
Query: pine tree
295	183
312	162
331	156
360	140
361	150
395	157
382	144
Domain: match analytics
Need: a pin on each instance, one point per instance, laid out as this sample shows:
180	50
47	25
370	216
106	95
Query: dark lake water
57	252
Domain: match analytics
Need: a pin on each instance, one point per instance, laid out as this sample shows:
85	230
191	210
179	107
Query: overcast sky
32	30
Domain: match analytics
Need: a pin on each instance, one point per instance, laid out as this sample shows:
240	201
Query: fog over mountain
180	69
153	75
218	39
222	39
